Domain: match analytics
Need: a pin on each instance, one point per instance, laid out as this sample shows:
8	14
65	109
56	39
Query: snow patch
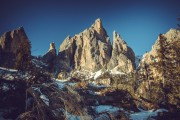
61	85
45	99
105	108
7	69
144	115
115	71
61	80
76	117
97	74
38	63
94	84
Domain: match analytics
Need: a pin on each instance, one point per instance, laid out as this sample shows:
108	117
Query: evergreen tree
167	65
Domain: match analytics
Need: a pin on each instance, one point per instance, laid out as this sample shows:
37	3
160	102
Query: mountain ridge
92	50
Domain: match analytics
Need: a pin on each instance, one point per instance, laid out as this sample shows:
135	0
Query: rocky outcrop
51	54
91	50
50	57
13	46
123	57
65	57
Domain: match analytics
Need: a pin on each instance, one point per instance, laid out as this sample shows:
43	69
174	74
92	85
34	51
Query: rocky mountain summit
91	50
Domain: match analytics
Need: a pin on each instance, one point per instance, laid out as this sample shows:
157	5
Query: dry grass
57	105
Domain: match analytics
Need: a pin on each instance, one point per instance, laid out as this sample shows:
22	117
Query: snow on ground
42	96
94	84
5	87
11	74
71	84
115	71
62	83
39	63
105	108
85	74
61	80
45	99
76	117
144	115
97	74
7	69
8	77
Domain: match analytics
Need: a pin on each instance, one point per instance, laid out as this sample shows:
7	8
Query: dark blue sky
138	21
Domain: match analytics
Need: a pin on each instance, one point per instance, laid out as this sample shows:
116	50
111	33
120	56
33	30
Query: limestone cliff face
11	44
91	50
123	57
65	57
88	50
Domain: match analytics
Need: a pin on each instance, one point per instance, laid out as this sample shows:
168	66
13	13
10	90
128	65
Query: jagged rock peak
19	30
118	43
52	46
91	50
88	50
98	27
66	43
98	24
117	37
123	57
10	40
50	56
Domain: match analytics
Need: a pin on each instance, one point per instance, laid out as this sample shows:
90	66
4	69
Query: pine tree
167	66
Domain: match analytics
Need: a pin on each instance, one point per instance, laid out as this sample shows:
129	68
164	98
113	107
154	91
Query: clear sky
139	22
